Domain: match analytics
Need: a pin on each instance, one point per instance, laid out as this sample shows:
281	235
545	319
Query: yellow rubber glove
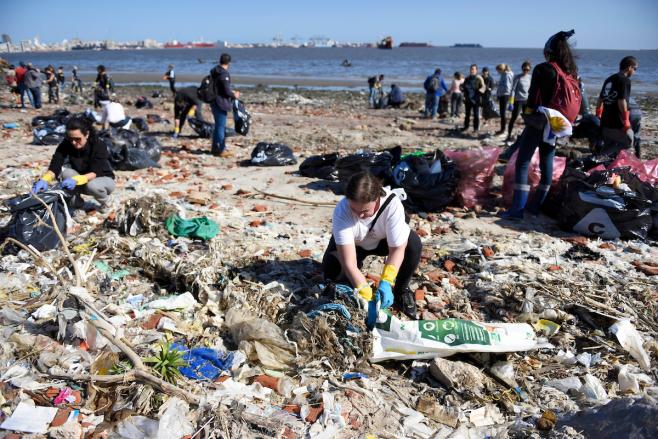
364	291
80	179
48	177
389	274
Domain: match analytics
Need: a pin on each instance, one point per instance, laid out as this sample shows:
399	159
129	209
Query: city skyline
485	23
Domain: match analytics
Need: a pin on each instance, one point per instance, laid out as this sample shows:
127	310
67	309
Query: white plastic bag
631	340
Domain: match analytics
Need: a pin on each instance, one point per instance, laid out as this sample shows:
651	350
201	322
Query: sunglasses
75	139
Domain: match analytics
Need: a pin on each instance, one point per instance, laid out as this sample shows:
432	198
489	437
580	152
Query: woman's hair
363	187
458	75
526	64
562	55
627	61
100	68
83	124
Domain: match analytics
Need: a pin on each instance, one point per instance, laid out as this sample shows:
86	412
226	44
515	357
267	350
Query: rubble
272	351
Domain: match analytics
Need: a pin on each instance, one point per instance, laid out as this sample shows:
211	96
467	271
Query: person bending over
114	116
371	221
186	100
89	170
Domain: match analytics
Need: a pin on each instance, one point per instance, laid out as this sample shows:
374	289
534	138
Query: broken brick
259	208
449	265
306	253
488	252
314	413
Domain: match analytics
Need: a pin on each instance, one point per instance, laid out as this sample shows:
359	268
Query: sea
406	66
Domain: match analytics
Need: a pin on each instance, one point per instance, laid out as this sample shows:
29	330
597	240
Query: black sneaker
407	303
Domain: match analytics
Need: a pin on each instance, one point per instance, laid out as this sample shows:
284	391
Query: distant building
6	38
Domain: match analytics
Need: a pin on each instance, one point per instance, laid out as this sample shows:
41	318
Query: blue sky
603	24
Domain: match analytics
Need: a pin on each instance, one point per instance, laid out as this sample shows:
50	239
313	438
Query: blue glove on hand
69	184
385	292
510	107
371	319
40	186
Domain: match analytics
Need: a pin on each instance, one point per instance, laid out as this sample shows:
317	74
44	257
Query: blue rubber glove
385	292
510	107
69	184
40	186
373	308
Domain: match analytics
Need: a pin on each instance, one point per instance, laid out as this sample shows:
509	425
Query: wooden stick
36	254
312	203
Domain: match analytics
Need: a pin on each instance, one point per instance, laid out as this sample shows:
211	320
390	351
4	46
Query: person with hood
102	86
435	86
473	89
88	170
503	93
222	104
545	76
33	81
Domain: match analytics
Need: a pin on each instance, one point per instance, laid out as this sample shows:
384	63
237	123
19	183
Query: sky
602	24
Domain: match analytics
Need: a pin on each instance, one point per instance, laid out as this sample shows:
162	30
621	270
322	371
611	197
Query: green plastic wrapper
201	228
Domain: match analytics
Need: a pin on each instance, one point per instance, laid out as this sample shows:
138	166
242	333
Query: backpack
207	91
372	81
431	84
566	97
241	117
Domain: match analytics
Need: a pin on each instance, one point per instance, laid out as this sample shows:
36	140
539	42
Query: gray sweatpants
100	187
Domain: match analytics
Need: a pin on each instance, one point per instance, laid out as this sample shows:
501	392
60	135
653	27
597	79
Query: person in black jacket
186	99
103	86
222	105
89	170
542	87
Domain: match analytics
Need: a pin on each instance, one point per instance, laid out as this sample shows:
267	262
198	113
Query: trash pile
129	150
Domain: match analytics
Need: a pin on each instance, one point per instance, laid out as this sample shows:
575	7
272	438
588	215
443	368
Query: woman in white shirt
371	221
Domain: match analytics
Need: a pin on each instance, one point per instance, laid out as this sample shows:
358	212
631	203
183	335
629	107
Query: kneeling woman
370	221
90	171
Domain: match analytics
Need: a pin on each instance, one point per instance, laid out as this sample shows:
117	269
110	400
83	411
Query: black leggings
518	105
334	271
502	108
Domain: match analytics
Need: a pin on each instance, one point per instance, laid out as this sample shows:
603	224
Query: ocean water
409	66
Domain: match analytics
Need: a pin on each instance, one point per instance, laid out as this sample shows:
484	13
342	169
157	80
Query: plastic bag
589	127
59	117
394	339
143	102
380	164
320	166
129	152
632	342
202	227
272	154
476	171
27	212
534	174
646	171
589	206
259	339
430	186
48	135
140	123
204	363
241	118
490	110
201	127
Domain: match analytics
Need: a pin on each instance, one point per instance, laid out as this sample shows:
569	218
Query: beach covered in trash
197	307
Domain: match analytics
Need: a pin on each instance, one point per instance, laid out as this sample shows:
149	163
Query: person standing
559	66
222	104
186	99
613	108
473	89
519	96
10	78
102	86
456	95
33	81
88	168
435	87
487	104
503	93
76	83
61	79
53	85
21	70
371	221
170	76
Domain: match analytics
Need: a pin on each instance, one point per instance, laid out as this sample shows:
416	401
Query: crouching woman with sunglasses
90	172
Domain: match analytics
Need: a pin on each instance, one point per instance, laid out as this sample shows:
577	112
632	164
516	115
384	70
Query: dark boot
518	203
406	302
538	199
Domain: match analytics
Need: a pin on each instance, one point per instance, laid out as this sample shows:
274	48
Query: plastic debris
631	340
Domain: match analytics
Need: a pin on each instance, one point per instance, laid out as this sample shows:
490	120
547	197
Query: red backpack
566	97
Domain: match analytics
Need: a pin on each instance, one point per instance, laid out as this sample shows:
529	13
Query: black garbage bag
241	117
123	158
588	205
320	166
31	223
380	164
143	102
201	127
140	123
151	146
430	187
154	118
49	136
490	110
588	162
588	127
129	152
272	154
59	117
122	136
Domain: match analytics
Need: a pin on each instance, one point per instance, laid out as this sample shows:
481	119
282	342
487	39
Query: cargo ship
173	45
415	44
386	43
466	45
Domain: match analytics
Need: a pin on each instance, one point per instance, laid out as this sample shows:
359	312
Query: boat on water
386	43
194	44
412	44
466	45
173	45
